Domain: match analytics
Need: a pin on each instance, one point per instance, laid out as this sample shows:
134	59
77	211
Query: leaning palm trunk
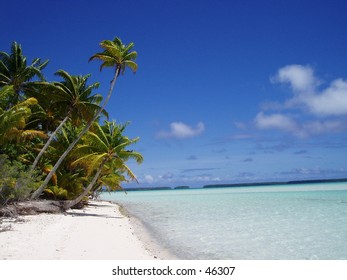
39	191
72	203
45	147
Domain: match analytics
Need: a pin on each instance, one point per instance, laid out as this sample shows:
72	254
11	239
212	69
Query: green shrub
56	193
16	183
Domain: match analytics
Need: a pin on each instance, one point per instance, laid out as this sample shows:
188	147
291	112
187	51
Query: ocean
277	222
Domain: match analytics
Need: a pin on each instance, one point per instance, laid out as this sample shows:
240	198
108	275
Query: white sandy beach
97	232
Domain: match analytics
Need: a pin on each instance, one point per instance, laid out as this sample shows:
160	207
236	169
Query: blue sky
226	91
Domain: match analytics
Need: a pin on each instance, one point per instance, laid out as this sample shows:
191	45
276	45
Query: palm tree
15	71
74	97
116	55
104	152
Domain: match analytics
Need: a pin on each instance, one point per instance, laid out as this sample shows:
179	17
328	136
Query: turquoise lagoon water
298	222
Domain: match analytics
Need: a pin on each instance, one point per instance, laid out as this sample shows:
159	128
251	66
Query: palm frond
130	174
86	156
30	134
128	47
96	140
132	65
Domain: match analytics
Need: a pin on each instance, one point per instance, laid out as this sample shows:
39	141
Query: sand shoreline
98	232
146	236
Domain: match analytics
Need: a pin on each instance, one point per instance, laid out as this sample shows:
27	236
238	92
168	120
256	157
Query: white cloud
321	127
149	179
275	121
302	130
181	130
325	107
301	78
331	101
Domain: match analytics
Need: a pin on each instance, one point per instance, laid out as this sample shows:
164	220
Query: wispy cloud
171	179
246	176
167	176
201	178
318	171
275	121
240	125
300	129
181	130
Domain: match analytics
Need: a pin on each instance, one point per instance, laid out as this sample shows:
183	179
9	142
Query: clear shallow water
274	222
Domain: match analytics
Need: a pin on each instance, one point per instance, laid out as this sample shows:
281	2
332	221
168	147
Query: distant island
240	185
275	183
149	189
181	187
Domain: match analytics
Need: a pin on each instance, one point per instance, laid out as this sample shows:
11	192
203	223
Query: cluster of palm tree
52	130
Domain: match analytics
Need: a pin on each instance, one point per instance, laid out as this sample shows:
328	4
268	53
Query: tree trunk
38	192
77	200
45	147
32	208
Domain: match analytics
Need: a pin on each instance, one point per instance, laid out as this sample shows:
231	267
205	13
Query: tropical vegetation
53	142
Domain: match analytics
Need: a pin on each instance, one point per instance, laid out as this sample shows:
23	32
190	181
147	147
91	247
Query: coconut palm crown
15	71
117	55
